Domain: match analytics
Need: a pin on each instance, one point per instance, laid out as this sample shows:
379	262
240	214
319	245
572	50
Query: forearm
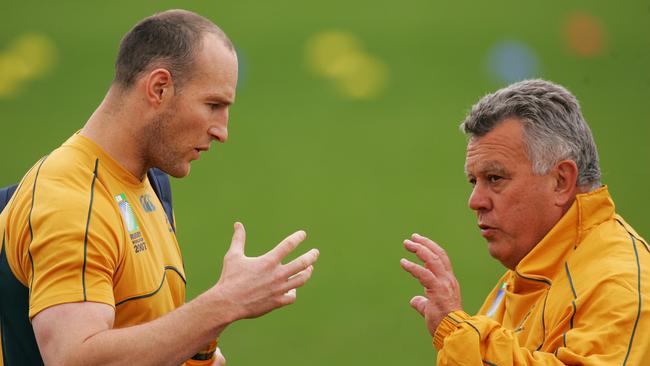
168	340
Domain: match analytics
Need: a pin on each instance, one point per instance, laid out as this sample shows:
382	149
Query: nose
219	133
479	200
219	128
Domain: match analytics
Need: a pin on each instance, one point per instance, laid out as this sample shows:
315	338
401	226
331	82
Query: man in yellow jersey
88	253
577	289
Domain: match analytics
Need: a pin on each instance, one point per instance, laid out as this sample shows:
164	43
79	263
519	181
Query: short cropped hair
554	128
170	40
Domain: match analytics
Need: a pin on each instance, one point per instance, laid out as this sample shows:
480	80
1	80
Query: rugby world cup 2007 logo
131	223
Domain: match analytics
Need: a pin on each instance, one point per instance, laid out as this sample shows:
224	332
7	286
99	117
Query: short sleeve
75	246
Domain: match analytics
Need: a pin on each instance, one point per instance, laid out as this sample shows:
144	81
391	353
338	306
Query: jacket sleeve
607	328
463	340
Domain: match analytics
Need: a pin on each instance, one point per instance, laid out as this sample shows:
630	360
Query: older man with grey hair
577	288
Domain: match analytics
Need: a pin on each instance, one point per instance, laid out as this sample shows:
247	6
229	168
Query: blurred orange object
584	35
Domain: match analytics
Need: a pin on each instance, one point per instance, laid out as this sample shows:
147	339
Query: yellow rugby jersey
80	227
580	297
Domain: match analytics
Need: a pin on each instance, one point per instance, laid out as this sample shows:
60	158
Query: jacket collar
542	263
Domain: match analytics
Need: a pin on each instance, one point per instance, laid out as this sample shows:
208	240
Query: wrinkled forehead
498	150
482	167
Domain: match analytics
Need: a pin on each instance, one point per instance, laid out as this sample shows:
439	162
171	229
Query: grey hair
554	128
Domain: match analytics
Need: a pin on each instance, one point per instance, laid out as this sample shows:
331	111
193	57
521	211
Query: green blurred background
346	126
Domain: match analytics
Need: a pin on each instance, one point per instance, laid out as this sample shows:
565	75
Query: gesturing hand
257	285
441	289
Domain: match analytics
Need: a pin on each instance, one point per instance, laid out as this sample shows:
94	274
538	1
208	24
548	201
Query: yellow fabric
448	324
67	225
580	297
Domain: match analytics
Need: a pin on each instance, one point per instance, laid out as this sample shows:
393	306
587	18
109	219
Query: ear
566	177
159	86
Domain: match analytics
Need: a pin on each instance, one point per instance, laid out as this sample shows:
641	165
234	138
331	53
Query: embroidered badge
131	223
127	213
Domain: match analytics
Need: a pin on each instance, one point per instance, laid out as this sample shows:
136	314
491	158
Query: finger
419	303
219	359
299	279
238	239
435	248
426	278
287	245
301	262
431	261
289	297
432	245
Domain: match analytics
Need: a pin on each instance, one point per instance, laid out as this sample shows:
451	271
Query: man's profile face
515	208
198	113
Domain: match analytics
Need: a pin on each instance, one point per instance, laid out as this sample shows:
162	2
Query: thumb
419	303
238	239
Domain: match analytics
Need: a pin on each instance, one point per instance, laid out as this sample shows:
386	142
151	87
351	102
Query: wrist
448	325
222	311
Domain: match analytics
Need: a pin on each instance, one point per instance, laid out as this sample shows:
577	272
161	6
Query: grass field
359	156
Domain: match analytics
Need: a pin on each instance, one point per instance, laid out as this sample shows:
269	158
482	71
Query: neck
114	126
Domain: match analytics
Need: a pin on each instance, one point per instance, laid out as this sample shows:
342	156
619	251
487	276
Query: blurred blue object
511	61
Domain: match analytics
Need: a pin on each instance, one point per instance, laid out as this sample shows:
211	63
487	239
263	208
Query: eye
215	106
494	178
472	181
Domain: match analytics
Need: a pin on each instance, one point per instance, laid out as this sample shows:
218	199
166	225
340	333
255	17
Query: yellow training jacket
580	297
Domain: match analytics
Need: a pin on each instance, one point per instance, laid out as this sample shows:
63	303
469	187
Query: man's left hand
441	289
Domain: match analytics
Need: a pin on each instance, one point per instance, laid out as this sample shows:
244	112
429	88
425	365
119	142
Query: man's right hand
441	288
256	285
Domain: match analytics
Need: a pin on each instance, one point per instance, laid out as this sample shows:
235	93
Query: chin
181	171
496	251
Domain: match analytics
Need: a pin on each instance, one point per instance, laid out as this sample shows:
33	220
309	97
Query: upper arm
60	330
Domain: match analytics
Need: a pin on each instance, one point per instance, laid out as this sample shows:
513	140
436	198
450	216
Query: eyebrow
490	166
220	98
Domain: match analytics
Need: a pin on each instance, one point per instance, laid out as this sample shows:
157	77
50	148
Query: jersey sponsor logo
145	202
139	245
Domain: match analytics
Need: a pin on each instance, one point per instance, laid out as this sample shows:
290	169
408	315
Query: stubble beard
159	144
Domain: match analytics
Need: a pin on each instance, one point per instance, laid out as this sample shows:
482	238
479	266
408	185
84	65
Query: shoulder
69	165
59	200
611	254
66	180
60	192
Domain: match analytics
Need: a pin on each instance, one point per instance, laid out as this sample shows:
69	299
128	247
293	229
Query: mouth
197	151
487	231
